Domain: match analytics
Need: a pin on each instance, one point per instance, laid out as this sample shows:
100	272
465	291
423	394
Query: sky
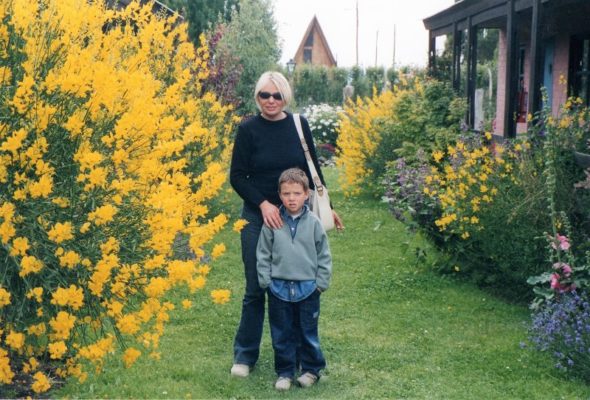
377	19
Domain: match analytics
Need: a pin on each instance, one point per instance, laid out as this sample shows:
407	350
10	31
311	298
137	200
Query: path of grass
390	328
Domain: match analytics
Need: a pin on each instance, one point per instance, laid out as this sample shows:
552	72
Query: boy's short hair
294	175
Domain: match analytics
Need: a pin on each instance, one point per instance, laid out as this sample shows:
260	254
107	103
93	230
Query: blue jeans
294	329
249	334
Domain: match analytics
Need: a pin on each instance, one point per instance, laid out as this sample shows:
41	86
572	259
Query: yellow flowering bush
464	178
375	131
359	137
109	150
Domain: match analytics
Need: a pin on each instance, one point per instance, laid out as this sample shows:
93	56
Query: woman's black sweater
263	149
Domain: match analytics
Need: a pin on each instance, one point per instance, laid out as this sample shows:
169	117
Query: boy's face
293	196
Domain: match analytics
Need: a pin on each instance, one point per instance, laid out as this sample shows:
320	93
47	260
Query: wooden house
542	43
314	47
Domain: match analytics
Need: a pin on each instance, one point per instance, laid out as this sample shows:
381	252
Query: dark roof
481	12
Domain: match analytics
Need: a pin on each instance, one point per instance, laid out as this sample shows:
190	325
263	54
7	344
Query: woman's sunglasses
267	95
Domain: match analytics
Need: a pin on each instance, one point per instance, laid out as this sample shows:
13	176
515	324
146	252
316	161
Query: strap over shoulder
314	173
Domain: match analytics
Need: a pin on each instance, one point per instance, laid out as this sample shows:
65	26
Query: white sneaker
306	380
283	383
240	370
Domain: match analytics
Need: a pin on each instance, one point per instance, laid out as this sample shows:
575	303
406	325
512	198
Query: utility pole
393	61
357	33
376	46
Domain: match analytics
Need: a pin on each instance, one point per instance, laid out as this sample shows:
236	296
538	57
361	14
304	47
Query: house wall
560	78
319	54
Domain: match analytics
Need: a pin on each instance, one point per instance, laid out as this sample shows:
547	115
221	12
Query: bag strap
319	187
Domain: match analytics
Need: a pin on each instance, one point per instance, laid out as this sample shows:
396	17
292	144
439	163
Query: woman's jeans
249	334
294	329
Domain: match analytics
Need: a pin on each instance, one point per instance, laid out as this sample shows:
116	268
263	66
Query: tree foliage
254	46
202	15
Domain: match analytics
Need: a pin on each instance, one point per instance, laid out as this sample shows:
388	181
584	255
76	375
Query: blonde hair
279	81
294	175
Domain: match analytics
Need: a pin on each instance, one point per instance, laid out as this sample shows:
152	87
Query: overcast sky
376	28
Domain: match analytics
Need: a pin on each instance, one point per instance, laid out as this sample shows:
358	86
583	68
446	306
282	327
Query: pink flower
565	268
560	242
555	281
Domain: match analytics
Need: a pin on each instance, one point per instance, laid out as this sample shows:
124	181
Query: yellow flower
37	330
130	356
42	187
437	155
239	225
4	297
488	135
220	296
157	287
15	340
70	259
29	265
41	383
61	202
186	304
6	373
14	142
218	250
70	297
61	232
62	325
20	245
57	349
37	293
128	324
102	215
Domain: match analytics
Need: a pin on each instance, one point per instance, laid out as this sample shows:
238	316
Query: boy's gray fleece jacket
306	257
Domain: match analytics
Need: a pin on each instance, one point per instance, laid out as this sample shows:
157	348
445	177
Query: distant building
314	47
542	43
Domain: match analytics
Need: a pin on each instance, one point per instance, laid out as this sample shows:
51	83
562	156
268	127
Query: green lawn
390	328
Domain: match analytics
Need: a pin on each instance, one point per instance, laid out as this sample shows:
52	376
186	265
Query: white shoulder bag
319	201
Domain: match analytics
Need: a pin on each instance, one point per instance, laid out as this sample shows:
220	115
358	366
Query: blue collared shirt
292	291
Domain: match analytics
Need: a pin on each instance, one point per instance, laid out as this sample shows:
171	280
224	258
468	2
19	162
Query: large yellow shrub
109	151
359	136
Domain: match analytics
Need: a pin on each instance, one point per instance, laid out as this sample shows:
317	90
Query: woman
265	146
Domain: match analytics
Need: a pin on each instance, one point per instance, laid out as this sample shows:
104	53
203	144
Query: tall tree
201	15
251	38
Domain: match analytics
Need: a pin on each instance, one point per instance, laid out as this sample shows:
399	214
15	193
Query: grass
390	328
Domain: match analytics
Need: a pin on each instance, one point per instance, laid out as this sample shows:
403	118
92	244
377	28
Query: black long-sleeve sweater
262	150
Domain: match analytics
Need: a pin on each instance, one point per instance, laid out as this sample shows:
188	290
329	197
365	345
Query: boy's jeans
249	334
284	319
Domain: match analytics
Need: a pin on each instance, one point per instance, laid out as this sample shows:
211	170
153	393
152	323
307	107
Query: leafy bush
313	84
108	150
491	207
375	131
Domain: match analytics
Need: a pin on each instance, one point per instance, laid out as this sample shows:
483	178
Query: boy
295	264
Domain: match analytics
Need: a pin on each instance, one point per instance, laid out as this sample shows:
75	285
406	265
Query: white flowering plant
324	121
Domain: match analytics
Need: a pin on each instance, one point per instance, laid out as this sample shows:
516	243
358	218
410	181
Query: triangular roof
315	28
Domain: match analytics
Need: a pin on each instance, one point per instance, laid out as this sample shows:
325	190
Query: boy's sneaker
240	370
283	383
306	380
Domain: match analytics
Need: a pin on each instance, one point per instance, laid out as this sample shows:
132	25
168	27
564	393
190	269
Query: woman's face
270	106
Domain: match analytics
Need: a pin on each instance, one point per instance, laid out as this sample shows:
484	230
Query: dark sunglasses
266	95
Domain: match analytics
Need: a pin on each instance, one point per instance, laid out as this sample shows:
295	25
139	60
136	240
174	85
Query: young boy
295	264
